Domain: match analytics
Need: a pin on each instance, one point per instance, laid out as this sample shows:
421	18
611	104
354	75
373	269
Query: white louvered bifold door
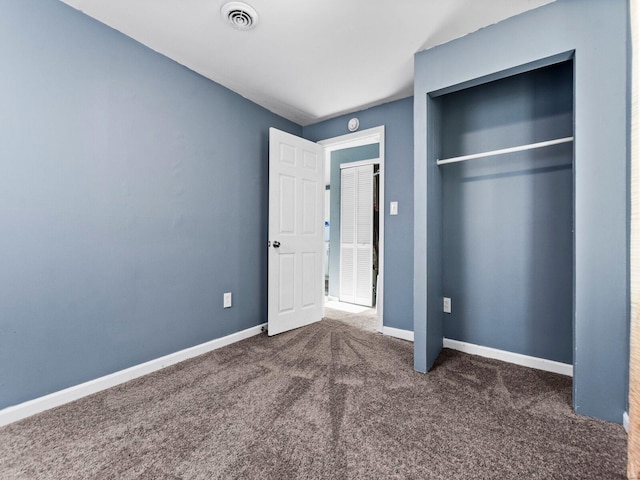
347	234
356	235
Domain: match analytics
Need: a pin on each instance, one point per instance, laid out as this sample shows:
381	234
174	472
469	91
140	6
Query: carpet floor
364	320
328	401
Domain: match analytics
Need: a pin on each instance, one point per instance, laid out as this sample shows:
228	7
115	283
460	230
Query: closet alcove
505	155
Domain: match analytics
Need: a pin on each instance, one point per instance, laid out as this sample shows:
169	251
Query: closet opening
506	164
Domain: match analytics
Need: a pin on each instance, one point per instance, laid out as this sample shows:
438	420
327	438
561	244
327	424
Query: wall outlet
227	300
446	305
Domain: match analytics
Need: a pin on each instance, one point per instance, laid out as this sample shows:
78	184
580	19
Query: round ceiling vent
239	15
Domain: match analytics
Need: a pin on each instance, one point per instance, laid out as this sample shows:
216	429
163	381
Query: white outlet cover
446	305
227	300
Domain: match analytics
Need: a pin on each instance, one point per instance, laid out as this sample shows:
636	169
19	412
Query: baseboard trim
517	358
398	333
18	412
625	421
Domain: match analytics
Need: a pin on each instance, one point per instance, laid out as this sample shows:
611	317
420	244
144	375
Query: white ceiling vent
239	15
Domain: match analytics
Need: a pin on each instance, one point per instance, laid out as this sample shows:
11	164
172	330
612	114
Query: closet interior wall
507	220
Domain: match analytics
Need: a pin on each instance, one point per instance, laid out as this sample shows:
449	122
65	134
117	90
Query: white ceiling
307	60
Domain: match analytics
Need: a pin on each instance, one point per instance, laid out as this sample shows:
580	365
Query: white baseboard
625	421
517	358
398	333
510	357
18	412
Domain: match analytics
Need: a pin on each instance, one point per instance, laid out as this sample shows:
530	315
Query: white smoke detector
239	15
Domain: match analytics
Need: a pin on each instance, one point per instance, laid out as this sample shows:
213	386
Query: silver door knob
276	244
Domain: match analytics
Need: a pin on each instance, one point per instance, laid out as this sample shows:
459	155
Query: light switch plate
393	208
227	300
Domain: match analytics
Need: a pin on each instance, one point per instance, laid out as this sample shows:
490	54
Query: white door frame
357	139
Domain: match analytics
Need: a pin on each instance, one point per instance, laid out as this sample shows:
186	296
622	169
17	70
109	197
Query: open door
296	228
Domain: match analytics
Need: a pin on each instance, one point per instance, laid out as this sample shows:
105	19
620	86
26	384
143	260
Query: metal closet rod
521	148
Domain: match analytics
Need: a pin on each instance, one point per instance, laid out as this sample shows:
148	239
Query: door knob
276	244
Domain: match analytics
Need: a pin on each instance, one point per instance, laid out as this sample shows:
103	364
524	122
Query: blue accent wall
597	33
133	194
398	243
346	155
508	220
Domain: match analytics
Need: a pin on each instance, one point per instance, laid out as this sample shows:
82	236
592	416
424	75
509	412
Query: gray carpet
325	401
367	320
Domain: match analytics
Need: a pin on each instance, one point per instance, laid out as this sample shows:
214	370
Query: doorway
354	150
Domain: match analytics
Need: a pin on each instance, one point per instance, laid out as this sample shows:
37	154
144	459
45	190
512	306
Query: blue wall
398	243
346	155
133	194
508	220
597	32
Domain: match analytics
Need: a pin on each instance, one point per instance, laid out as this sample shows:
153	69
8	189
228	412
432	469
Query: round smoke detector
239	15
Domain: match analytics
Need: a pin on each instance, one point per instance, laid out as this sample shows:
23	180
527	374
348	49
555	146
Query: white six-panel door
356	235
296	228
